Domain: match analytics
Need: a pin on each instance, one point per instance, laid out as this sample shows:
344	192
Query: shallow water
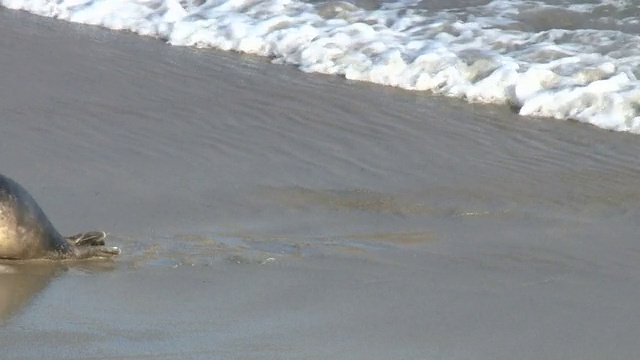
255	151
264	213
563	59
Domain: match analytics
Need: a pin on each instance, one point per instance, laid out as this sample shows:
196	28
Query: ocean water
565	59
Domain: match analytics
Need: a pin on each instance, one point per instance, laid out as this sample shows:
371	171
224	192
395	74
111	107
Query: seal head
27	233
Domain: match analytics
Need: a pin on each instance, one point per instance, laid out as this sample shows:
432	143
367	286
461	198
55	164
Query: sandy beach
265	213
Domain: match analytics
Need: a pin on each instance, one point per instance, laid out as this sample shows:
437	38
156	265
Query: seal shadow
21	282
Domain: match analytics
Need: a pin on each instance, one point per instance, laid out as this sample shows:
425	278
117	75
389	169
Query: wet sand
267	213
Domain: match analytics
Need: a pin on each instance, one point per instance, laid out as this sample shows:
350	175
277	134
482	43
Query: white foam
490	53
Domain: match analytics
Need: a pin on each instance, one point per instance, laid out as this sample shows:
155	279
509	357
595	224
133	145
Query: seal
26	232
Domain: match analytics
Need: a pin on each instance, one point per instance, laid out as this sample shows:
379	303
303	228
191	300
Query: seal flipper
91	238
91	244
85	252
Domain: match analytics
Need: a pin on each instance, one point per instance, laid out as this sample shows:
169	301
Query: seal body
27	233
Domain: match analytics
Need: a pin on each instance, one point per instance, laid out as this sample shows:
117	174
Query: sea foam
565	62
